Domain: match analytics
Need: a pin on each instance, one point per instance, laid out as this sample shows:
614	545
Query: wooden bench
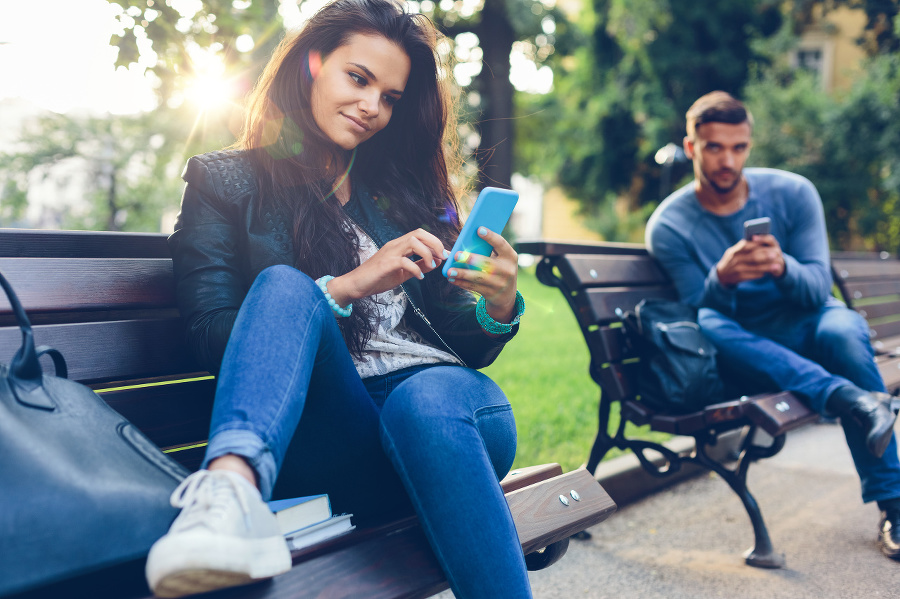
598	278
870	284
106	301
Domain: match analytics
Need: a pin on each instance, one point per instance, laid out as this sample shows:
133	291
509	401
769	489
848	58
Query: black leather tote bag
80	487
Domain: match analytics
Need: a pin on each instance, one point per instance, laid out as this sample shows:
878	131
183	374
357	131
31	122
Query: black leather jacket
222	241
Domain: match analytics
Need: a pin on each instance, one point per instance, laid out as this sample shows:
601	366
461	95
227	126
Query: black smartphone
757	226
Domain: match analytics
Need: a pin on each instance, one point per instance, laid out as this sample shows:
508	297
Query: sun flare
210	92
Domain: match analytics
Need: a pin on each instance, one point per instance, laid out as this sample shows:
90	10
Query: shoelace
205	489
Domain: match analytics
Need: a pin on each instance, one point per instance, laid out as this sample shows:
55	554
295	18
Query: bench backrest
106	301
870	284
597	280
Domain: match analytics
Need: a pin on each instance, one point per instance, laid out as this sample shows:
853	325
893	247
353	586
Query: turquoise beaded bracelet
492	326
322	282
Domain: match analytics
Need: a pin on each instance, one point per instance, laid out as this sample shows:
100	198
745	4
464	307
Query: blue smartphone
492	209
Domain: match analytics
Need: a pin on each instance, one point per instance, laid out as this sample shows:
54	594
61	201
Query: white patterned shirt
394	344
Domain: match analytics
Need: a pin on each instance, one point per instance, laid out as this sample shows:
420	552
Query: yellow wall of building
835	34
560	220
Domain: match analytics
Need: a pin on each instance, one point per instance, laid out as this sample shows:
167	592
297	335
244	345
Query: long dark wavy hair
409	163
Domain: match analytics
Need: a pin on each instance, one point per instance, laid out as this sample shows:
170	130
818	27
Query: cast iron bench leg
762	554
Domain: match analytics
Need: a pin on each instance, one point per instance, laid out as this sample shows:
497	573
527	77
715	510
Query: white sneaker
224	536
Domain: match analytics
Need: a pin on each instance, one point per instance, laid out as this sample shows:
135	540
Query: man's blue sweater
689	240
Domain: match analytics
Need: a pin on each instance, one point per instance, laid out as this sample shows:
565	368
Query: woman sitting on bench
315	253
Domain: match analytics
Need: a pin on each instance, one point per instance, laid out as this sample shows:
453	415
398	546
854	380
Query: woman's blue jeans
810	353
436	438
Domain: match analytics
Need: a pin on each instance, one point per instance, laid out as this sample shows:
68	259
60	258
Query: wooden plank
608	344
851	255
190	456
610	271
29	243
851	270
550	247
885	330
681	424
602	303
111	350
889	367
69	284
169	414
616	382
542	518
864	289
523	477
779	413
887	345
880	310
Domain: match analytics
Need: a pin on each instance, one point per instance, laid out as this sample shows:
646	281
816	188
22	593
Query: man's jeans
811	354
290	401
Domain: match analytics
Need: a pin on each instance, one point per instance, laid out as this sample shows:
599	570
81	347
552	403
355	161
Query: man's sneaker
224	536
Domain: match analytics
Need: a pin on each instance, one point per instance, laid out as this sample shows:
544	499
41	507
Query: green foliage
622	96
175	45
127	162
849	146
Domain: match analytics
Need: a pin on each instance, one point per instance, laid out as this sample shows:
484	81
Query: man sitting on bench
765	302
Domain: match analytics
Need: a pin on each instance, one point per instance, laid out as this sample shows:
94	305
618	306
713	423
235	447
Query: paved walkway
686	541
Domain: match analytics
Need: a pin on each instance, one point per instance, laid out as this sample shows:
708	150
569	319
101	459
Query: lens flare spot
343	177
314	64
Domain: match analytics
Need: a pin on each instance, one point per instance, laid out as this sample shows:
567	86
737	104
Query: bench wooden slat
607	344
850	270
889	367
616	381
550	247
168	414
887	345
585	271
542	518
885	330
53	284
869	288
25	243
602	303
879	310
115	350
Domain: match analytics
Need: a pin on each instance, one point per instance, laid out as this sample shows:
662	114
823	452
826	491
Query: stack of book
305	521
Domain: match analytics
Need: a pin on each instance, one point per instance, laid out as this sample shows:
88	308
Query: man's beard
718	188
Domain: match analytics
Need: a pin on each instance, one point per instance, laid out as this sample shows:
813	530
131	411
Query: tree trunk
495	152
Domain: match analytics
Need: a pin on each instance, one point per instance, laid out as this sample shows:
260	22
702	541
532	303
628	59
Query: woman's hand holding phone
391	265
494	277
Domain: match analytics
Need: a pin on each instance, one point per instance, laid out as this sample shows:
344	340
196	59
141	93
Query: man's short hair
717	107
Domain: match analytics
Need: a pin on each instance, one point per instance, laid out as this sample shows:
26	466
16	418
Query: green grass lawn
544	373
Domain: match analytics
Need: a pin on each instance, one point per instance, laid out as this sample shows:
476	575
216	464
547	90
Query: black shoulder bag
80	487
677	362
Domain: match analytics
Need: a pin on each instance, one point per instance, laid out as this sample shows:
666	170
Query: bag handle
25	373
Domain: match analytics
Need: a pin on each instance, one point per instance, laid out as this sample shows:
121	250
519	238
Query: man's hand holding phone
757	255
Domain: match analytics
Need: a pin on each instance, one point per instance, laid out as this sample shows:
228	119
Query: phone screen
492	209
